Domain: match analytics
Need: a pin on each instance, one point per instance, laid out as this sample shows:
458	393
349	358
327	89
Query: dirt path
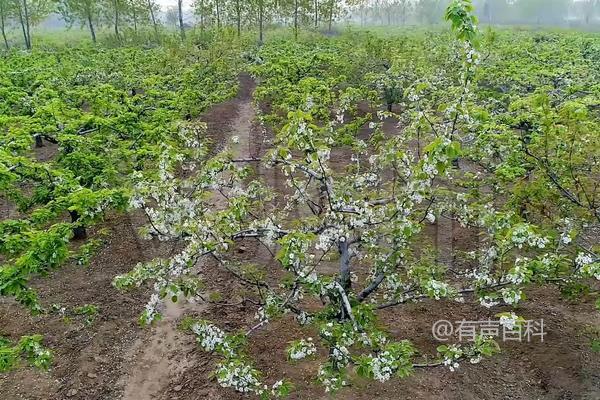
113	358
159	360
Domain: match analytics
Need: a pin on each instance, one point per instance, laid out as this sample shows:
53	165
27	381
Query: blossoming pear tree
366	213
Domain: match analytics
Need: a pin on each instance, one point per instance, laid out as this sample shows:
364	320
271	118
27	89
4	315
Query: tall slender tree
20	7
137	11
296	10
114	10
152	8
217	6
333	8
84	12
30	13
180	14
5	7
259	9
238	9
199	11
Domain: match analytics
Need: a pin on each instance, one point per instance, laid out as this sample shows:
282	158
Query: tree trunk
316	14
238	10
260	21
296	19
27	24
153	20
218	6
38	140
91	25
345	265
134	20
23	27
2	27
345	281
79	232
201	15
330	14
116	4
181	27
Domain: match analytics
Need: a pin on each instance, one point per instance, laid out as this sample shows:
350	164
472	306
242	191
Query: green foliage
88	312
498	132
110	113
463	21
472	121
28	348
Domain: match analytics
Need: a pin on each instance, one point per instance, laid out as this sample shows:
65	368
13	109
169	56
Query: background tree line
120	16
505	12
116	15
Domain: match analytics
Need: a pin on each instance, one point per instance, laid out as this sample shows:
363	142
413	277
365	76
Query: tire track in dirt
164	356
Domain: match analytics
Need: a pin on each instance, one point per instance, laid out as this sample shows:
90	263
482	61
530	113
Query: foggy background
579	14
499	12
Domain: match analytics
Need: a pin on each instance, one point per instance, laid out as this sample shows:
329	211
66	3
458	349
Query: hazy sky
172	3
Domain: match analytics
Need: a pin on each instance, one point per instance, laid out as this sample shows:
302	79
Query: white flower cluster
329	237
151	309
39	351
341	355
269	229
392	285
511	296
472	55
565	238
509	321
437	289
383	366
518	273
303	318
566	235
310	103
489	256
302	349
488	301
523	234
210	337
238	376
481	277
369	179
430	169
324	154
190	132
344	340
451	357
430	217
588	266
330	381
271	308
583	259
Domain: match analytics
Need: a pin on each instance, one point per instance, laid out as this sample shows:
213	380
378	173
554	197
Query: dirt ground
115	358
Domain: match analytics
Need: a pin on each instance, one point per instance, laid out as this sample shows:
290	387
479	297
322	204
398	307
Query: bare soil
115	358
